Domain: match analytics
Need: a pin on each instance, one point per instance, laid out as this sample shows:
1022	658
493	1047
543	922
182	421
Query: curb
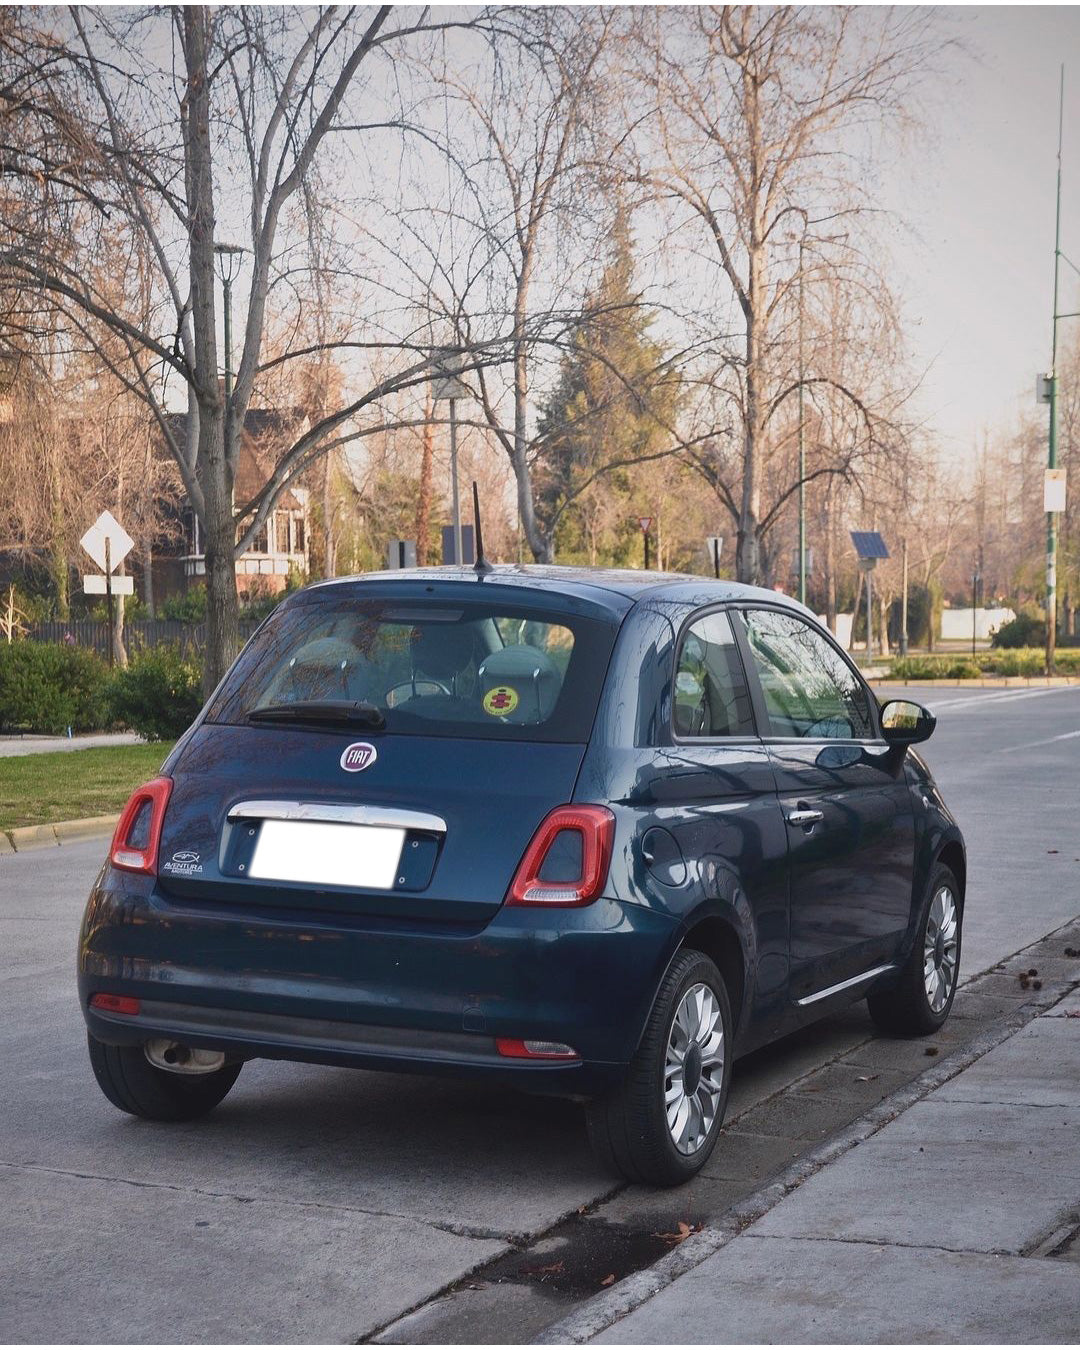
26	837
605	1309
985	682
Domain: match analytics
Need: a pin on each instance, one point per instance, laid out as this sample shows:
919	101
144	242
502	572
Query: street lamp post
228	264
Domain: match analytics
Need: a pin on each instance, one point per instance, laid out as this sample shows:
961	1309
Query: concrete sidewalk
958	1221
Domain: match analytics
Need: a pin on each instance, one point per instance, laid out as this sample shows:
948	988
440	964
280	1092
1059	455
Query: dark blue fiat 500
590	833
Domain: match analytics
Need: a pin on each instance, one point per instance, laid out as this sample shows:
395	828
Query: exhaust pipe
175	1057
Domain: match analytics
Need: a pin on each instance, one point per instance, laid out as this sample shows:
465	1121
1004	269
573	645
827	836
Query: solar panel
869	544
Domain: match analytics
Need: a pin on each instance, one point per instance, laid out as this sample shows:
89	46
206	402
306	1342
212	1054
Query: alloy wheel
940	949
694	1068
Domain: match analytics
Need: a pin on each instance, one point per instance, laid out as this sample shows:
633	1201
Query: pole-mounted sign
646	525
108	543
715	545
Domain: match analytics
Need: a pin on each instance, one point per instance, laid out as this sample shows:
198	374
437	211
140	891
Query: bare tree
746	120
234	126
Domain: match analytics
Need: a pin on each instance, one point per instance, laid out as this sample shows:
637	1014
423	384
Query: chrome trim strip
341	813
844	984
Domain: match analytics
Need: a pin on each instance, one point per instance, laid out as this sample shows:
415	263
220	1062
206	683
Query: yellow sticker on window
500	700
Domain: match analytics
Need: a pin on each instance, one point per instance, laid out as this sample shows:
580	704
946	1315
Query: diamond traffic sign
107	527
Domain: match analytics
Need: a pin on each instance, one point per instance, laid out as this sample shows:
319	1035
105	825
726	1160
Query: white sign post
108	543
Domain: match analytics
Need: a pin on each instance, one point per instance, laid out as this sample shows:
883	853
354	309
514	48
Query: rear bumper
407	998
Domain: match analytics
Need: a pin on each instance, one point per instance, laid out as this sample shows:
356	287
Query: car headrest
520	683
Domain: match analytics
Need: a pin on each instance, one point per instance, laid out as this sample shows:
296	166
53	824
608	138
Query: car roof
616	589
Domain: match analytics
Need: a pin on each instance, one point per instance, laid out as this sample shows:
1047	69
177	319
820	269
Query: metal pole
869	617
458	558
903	608
716	558
646	534
1051	524
109	596
226	283
802	437
974	604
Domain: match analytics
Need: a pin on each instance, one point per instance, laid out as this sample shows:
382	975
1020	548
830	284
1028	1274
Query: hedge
48	687
1009	661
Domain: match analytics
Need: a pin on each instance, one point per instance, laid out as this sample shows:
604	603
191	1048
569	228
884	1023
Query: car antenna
481	567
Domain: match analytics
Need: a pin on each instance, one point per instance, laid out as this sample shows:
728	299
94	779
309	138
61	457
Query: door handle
805	817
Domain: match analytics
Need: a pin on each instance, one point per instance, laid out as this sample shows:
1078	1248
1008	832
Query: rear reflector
115	1003
138	831
511	1049
591	830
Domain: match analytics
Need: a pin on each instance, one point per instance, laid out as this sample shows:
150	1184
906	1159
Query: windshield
480	669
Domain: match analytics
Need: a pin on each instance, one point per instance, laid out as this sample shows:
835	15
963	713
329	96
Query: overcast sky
980	277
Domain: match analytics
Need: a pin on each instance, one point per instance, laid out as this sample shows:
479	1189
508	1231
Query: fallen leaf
683	1231
1073	1012
1051	850
931	1050
866	1077
554	1269
608	1279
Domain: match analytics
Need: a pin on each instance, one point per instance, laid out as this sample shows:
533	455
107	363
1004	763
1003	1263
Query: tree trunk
214	457
119	649
222	607
148	576
329	530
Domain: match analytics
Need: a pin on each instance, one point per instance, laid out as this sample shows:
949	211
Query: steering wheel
410	689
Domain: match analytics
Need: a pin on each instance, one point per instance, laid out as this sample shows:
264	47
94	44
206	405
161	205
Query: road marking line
1031	745
978	702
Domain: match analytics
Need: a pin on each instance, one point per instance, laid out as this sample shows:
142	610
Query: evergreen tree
612	406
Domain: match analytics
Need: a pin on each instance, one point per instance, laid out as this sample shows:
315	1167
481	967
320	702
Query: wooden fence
138	634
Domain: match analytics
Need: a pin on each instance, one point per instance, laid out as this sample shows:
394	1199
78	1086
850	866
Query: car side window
809	689
711	696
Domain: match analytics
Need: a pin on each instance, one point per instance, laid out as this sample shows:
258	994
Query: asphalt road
319	1204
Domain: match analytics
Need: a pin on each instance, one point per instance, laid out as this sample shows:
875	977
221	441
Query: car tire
918	1003
629	1127
135	1085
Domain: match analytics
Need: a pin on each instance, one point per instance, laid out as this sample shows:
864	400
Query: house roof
267	431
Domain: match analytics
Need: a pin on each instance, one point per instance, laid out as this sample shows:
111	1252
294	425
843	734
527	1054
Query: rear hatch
386	751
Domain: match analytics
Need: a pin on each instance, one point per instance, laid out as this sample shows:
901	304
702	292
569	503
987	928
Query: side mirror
904	723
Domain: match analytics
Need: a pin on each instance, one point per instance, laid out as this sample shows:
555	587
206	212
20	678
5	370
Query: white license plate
321	854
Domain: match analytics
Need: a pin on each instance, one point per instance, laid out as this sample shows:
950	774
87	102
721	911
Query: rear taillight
138	831
568	859
116	1003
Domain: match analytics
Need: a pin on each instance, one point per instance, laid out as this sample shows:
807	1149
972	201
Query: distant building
281	545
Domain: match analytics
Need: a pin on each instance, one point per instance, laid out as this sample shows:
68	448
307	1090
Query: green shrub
187	608
933	668
1028	629
50	686
159	695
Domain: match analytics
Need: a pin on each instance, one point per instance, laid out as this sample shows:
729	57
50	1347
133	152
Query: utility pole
1051	523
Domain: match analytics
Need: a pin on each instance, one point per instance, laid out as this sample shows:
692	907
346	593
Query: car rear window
476	669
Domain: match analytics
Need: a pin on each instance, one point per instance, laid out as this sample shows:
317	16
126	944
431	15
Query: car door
728	823
845	799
